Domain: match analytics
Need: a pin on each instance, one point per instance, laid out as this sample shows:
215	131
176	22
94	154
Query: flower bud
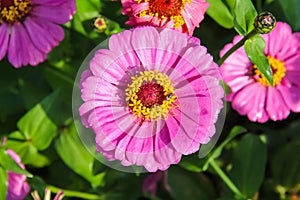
100	23
264	23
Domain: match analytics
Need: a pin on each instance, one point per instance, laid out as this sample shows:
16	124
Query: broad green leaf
291	9
249	164
237	130
38	124
244	16
286	165
220	13
254	48
88	9
24	148
3	183
76	156
10	164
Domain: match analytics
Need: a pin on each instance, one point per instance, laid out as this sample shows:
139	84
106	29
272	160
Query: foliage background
261	160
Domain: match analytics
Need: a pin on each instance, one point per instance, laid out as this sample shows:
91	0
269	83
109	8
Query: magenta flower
29	29
183	15
151	97
18	188
251	94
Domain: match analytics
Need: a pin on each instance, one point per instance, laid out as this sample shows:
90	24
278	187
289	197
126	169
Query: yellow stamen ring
150	96
15	12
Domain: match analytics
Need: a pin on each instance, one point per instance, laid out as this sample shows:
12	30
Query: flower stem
70	193
236	46
225	178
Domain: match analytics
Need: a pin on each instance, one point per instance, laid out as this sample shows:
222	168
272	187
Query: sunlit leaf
244	15
3	183
254	48
220	13
38	124
76	156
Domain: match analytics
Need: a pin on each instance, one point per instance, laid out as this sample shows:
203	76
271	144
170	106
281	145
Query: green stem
70	193
236	46
225	178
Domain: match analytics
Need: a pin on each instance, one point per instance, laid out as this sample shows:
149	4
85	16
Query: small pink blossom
251	94
151	97
183	15
18	188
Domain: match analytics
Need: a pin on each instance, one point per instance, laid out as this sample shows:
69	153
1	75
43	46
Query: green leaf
286	165
220	13
244	16
254	48
192	163
237	130
76	156
249	163
9	164
3	183
26	150
38	124
88	9
291	9
186	185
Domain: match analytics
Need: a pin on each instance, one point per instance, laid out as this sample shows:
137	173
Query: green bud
264	23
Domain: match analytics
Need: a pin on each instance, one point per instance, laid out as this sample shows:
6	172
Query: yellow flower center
14	10
150	96
278	70
170	9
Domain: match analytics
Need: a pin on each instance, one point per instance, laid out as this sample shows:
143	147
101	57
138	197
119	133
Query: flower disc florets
150	95
14	10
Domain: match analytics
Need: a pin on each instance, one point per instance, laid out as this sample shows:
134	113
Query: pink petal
44	35
246	100
60	14
18	188
21	50
291	96
293	76
277	39
104	62
4	36
275	105
292	63
145	39
121	45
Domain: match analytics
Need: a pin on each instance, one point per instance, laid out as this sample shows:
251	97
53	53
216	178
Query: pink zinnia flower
251	94
183	15
29	29
151	97
18	188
